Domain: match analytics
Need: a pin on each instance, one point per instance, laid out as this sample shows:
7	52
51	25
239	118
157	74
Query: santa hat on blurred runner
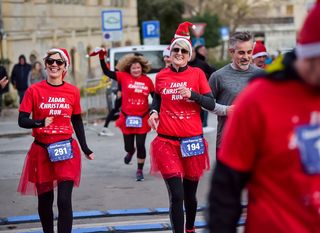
308	45
166	52
182	34
64	54
259	50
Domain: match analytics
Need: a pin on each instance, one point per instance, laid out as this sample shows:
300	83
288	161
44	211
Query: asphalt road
106	183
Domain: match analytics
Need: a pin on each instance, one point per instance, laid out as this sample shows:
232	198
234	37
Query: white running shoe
106	132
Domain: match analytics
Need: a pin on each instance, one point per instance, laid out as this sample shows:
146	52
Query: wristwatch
153	111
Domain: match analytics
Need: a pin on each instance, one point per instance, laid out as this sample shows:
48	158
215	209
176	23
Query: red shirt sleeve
77	106
243	134
27	101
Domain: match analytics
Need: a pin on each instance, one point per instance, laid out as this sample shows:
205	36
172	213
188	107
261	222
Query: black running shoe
127	159
139	175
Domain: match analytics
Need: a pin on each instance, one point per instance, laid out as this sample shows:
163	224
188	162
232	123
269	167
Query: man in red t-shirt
271	146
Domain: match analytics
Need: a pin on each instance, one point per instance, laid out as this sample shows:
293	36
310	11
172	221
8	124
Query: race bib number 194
192	146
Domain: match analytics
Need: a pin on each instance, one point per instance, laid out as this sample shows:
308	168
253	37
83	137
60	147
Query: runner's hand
153	121
90	156
184	92
48	121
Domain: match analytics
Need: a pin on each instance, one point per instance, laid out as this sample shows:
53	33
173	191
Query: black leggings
65	217
182	190
111	116
140	141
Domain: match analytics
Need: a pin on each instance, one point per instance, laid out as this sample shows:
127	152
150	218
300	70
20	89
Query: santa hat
308	45
166	52
63	52
182	34
259	50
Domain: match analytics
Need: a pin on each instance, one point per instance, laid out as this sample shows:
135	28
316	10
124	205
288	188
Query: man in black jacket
19	76
3	83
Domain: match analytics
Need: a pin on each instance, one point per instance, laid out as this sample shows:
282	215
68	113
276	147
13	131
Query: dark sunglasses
59	62
176	50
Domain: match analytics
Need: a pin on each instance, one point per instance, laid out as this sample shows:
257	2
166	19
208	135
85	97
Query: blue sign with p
151	29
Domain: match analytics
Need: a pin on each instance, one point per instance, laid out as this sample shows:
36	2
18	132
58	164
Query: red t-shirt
61	102
260	138
180	117
135	92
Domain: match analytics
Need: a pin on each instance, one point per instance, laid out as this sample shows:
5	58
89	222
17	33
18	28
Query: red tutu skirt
121	123
40	175
167	160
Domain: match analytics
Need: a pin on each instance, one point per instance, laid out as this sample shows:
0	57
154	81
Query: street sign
224	33
151	32
198	41
198	31
111	22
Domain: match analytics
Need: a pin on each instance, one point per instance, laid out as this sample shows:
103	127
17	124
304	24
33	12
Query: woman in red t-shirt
179	152
133	119
54	158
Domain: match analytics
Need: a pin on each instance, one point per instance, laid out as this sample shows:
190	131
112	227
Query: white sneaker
106	132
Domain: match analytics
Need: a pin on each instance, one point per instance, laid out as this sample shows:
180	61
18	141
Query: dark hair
239	37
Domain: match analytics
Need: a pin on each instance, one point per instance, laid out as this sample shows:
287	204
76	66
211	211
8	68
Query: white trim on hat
308	50
65	58
182	39
260	54
179	36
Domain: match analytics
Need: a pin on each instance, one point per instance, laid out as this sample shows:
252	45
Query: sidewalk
9	124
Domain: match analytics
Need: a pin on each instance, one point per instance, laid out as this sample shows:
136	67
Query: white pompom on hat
182	34
308	45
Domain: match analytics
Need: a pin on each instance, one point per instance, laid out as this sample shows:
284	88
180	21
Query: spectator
19	76
208	70
271	146
3	83
201	52
36	74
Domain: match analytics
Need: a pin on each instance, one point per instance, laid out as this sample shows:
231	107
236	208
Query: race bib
134	121
192	146
309	146
60	151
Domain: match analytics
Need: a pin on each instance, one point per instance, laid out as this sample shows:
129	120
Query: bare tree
230	12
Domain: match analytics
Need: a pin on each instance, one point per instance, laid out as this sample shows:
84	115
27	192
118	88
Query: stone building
31	27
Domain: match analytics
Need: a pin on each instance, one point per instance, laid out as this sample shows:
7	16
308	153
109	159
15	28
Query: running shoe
127	158
106	132
191	231
139	175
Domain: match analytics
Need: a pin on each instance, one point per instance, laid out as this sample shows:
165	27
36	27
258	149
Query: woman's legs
128	147
175	191
65	216
141	154
190	202
45	202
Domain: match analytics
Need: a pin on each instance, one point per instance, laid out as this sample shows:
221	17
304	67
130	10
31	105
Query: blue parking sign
151	29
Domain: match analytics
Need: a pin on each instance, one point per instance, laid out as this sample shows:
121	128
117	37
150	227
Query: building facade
31	27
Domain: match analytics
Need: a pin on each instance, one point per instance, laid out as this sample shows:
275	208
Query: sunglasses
183	51
59	62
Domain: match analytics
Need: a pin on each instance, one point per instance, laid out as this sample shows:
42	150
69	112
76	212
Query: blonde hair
126	62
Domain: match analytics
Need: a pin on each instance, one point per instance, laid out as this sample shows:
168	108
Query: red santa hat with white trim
63	52
308	45
259	50
65	56
183	34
